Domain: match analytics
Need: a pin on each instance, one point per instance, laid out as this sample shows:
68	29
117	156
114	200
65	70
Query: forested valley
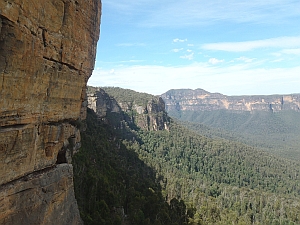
114	186
277	133
128	175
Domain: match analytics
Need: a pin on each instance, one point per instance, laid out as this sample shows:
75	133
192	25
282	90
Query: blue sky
233	47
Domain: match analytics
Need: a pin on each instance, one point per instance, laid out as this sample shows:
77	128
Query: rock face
201	100
47	54
151	116
43	197
101	103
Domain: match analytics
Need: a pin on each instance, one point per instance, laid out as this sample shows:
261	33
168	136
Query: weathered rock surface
47	54
43	197
32	147
201	100
151	116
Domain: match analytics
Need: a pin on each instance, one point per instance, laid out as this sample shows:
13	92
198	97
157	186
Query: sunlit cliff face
47	54
193	100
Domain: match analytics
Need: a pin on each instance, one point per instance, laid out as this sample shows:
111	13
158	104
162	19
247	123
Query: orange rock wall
47	54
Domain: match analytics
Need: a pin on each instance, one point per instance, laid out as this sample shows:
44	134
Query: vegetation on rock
177	176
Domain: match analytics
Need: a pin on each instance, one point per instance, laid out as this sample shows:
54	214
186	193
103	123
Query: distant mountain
269	122
201	100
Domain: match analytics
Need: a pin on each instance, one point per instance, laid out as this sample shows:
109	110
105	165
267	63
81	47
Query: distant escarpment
47	54
201	100
136	109
270	122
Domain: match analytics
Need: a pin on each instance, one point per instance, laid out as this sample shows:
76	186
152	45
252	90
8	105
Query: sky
233	47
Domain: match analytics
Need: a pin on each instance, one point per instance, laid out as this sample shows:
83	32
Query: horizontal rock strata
47	54
201	100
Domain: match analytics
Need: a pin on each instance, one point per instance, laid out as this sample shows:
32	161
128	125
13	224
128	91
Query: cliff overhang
47	54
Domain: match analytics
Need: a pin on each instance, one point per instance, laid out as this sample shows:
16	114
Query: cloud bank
237	79
280	42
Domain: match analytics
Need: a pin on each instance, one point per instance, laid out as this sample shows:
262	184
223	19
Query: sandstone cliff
47	54
201	100
149	115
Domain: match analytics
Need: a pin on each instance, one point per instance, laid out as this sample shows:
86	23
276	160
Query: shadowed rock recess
47	54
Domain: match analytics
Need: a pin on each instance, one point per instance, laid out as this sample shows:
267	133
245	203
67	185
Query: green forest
127	175
277	132
114	186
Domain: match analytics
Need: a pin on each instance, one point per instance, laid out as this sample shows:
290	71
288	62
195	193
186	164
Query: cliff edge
47	54
143	110
201	100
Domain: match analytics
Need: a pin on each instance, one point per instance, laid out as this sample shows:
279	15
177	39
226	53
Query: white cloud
295	51
177	49
189	50
230	80
179	40
276	54
215	61
189	56
277	60
245	59
281	42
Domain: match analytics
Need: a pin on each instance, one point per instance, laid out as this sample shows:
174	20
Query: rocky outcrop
47	54
101	103
151	116
201	100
